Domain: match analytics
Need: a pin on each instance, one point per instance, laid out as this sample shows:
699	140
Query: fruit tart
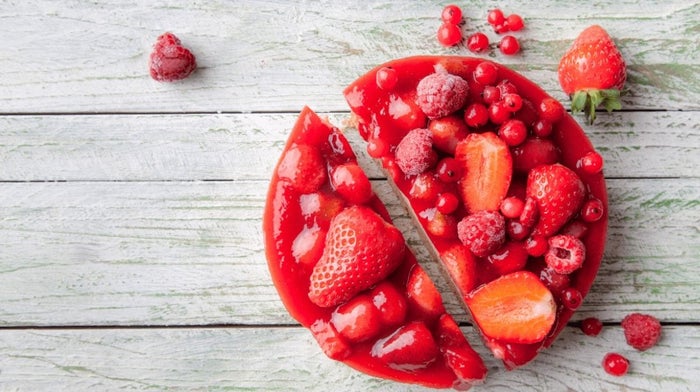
503	182
344	271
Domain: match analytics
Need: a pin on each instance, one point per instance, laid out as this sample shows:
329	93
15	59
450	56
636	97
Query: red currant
449	34
571	298
551	110
387	78
477	42
536	246
491	94
498	113
556	282
501	28
509	45
542	128
449	170
486	73
495	17
590	163
514	22
615	364
513	132
377	148
515	230
591	326
425	187
507	87
476	115
512	207
592	210
452	14
513	102
447	203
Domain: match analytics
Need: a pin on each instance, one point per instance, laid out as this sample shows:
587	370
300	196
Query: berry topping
487	167
332	344
451	14
571	298
559	194
387	78
590	163
415	153
551	110
486	73
642	331
461	266
477	42
512	207
351	183
449	170
361	250
440	94
509	45
409	348
390	302
307	247
511	257
304	167
515	308
476	115
591	326
440	224
513	132
615	364
423	297
592	210
556	283
566	254
449	34
357	320
491	94
170	61
499	113
447	203
425	187
536	246
534	152
482	232
447	131
460	357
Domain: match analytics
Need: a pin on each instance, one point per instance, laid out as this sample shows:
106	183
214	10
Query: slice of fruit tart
506	188
345	273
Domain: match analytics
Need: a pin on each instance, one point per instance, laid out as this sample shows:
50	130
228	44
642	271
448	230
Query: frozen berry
566	254
486	73
170	61
452	14
642	331
440	94
483	232
477	42
591	326
514	22
592	210
615	364
590	163
449	34
387	78
415	154
509	45
476	115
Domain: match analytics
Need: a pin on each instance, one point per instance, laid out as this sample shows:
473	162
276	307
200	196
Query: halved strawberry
515	308
559	193
488	169
423	297
361	249
461	266
409	348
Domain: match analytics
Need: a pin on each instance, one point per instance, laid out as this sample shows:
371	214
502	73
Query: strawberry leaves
587	101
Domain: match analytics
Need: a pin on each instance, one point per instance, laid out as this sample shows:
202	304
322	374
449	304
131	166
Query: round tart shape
494	172
344	272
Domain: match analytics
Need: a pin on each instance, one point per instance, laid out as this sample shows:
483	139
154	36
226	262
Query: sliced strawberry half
515	308
488	169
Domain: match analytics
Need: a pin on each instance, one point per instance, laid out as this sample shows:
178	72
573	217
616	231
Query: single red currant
591	326
571	298
542	128
476	115
512	207
615	364
377	148
551	110
513	102
477	42
509	45
514	22
486	73
491	94
447	203
448	170
498	113
515	230
592	210
590	163
495	17
501	28
507	87
513	132
387	78
452	14
449	34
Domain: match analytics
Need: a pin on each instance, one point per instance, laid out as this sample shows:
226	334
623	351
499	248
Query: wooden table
130	210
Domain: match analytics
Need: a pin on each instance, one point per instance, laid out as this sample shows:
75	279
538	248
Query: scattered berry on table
615	364
170	61
509	45
514	22
452	14
477	42
591	326
642	331
495	17
449	34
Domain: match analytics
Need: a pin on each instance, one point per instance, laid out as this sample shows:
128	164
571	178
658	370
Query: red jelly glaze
284	219
382	115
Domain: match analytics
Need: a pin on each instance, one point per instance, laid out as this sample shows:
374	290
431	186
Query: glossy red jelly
385	116
396	329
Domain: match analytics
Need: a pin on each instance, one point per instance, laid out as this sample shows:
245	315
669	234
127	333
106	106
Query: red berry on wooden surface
449	34
477	42
615	364
451	14
509	45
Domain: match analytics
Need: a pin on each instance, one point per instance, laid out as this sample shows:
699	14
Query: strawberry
170	61
332	344
361	249
358	319
534	152
423	297
559	194
307	247
461	266
593	72
515	308
459	355
304	167
409	348
390	302
488	169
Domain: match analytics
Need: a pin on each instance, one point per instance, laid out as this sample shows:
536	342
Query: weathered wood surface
130	210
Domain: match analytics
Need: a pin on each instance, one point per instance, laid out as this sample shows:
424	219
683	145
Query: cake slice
495	173
344	271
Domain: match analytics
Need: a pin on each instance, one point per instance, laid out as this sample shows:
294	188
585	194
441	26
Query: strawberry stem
588	101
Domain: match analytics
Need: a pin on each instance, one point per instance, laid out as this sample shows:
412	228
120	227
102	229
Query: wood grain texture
73	56
288	359
186	253
247	146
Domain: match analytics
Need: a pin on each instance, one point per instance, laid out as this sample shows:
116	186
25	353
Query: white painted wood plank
284	359
191	253
247	146
73	56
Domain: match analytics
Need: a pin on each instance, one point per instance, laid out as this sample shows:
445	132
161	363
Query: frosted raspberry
566	253
482	232
415	154
441	93
642	331
170	61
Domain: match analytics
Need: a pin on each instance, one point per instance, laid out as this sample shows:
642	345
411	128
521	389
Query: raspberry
642	331
441	93
170	61
415	154
566	254
482	232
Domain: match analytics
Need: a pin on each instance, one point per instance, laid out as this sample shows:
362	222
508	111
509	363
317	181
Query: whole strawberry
559	193
642	331
592	72
361	249
170	61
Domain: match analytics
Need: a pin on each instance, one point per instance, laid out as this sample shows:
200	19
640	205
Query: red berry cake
496	175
